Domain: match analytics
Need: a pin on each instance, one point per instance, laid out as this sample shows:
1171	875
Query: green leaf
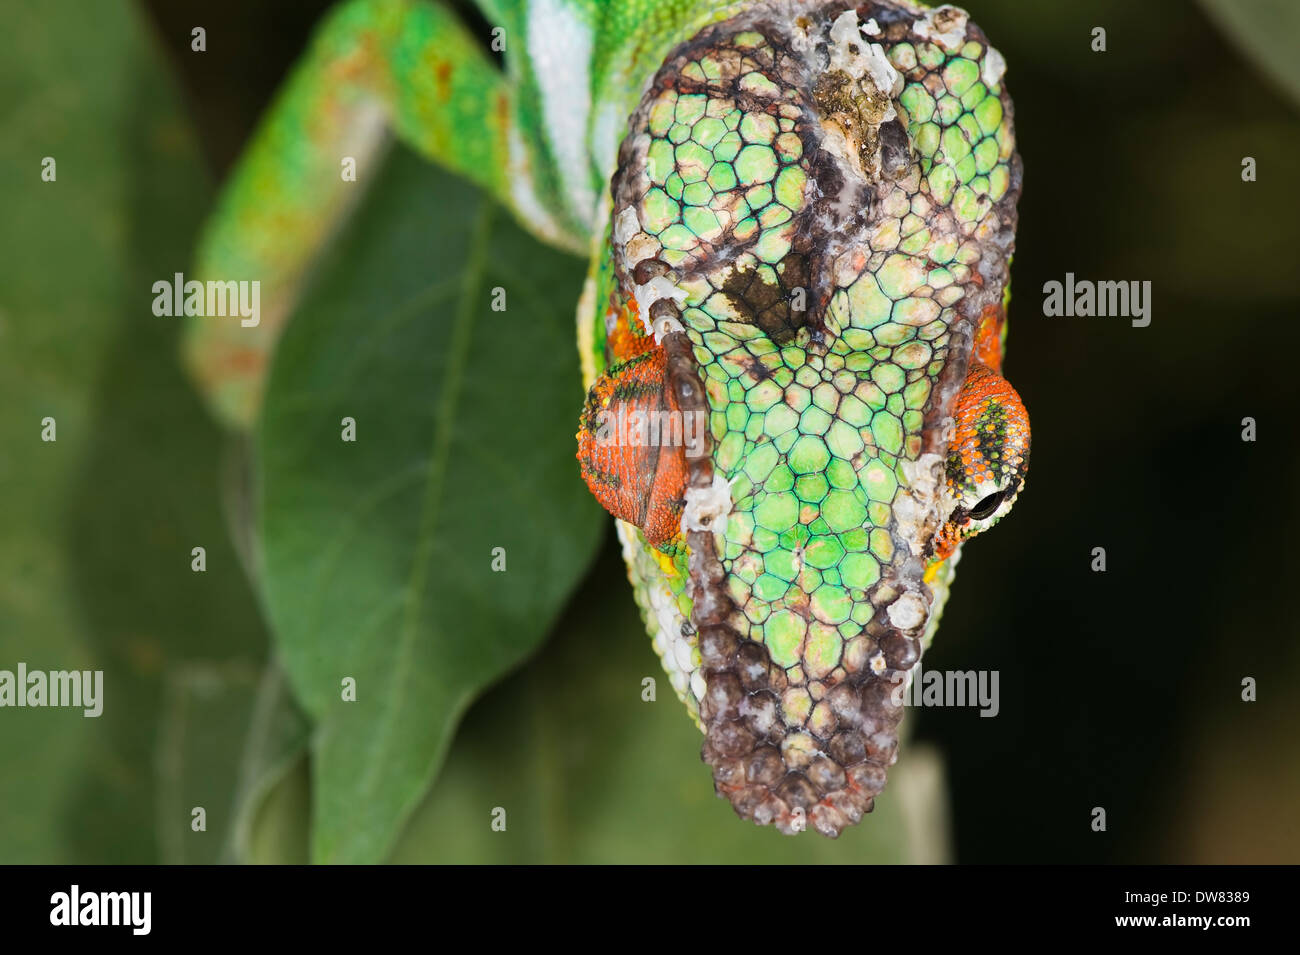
1265	31
378	553
274	747
99	525
52	333
587	771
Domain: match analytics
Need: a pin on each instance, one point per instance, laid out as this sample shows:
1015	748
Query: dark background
1119	689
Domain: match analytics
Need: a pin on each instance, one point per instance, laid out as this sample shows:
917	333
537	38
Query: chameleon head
812	219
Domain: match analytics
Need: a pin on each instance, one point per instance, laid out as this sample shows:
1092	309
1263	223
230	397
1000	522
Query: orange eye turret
989	453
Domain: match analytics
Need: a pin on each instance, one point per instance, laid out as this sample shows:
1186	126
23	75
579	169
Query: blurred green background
1119	690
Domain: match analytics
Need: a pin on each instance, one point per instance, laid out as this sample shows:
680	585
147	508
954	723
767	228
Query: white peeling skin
646	295
849	52
697	684
706	507
945	26
627	540
764	719
833	142
845	47
665	609
682	651
641	246
626	226
920	512
636	245
801	39
882	72
994	68
666	326
908	611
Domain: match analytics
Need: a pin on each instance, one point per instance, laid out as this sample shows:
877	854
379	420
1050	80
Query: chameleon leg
374	65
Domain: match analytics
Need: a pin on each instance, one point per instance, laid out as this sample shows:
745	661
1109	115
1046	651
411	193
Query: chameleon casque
799	217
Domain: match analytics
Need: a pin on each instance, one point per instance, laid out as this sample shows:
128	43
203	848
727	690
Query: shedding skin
837	252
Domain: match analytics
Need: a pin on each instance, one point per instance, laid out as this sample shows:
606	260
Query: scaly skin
773	156
799	232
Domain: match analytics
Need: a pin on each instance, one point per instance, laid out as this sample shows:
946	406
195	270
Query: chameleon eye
988	505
